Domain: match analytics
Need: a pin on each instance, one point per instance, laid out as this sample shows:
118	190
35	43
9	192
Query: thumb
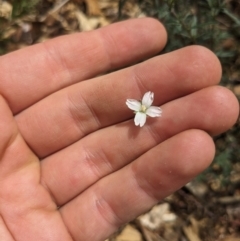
14	152
8	128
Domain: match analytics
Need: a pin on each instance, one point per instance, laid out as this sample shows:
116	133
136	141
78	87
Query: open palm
73	165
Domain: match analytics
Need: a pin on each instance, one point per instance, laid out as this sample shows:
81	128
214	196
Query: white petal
147	99
140	119
133	104
154	111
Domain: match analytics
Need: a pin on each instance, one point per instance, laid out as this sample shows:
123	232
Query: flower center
143	108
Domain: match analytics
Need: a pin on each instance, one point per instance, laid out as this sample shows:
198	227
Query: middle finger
68	115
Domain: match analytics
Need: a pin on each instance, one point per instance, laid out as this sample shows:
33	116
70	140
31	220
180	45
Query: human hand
98	170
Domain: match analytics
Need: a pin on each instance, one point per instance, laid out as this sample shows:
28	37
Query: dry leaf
129	234
5	10
158	215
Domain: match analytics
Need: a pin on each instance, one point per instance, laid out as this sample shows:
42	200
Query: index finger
33	73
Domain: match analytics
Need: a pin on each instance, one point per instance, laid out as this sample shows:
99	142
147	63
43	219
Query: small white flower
143	108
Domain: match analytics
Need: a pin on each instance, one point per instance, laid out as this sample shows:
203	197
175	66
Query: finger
21	194
97	155
72	113
4	232
35	72
8	134
120	197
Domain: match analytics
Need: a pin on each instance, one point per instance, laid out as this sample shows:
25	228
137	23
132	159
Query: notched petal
147	99
133	104
140	119
154	111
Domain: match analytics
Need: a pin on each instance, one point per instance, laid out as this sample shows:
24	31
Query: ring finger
69	172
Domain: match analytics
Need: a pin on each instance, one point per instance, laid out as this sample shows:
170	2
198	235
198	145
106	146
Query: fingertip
155	32
223	107
138	39
210	61
203	64
231	105
200	150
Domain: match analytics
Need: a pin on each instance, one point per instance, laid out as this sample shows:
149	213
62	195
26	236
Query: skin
73	166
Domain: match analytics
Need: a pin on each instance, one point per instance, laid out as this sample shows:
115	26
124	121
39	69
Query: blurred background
208	208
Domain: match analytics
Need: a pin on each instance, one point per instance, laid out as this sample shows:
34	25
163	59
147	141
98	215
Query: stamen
143	108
